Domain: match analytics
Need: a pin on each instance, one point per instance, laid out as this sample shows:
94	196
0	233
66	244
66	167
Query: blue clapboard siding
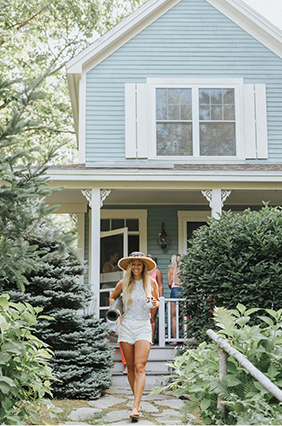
191	40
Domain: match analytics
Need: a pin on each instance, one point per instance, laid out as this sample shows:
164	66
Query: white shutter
261	121
255	121
249	121
142	120
130	120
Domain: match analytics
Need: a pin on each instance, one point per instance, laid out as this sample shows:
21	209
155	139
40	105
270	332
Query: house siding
193	39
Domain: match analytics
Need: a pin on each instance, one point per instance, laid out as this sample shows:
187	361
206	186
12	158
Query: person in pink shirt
157	276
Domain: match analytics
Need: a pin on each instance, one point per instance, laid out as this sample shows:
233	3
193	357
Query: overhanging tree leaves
40	35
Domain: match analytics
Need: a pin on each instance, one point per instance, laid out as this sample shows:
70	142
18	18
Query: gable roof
236	10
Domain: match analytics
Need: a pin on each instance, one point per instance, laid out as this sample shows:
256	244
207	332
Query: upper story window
200	119
174	121
209	119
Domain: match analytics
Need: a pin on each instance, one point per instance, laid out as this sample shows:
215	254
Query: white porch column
216	198
95	246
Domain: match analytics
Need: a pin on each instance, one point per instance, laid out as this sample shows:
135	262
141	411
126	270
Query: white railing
165	328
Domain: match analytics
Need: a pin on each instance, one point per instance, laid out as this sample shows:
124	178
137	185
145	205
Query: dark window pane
133	243
191	226
204	96
217	139
105	224
174	139
132	224
117	223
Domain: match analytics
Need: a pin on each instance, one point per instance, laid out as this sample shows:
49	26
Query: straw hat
123	263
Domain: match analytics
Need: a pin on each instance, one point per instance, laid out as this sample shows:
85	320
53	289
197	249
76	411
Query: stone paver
146	406
172	403
115	416
83	413
170	417
106	401
164	409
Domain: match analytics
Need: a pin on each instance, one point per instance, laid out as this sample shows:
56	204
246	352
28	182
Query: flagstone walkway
114	408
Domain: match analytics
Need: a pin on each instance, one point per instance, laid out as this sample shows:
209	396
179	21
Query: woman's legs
128	352
136	358
141	354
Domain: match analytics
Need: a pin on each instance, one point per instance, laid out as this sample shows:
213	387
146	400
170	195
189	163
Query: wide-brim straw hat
124	262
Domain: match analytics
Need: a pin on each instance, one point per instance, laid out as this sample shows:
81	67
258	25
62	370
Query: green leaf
268	320
204	404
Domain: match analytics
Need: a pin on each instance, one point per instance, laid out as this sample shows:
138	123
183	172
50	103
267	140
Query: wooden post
222	373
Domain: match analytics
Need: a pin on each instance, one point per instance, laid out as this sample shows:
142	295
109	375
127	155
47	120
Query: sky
270	9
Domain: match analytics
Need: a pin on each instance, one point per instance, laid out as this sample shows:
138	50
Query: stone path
114	408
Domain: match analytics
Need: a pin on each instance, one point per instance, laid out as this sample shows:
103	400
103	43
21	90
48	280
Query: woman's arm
117	291
169	283
159	279
155	293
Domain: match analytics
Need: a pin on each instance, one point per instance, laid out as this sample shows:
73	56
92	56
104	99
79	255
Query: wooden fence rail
225	348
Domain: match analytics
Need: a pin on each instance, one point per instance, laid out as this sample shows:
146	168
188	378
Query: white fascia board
120	34
73	84
252	22
161	176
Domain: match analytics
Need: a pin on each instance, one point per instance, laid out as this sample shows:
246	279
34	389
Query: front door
113	246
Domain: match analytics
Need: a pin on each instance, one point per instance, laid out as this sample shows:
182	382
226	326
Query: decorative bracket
87	195
104	193
208	195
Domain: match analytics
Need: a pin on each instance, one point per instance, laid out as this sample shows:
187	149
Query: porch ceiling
74	200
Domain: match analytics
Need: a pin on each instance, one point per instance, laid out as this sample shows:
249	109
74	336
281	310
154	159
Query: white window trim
131	214
183	218
195	84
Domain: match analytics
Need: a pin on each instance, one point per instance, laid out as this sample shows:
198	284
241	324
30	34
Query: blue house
178	115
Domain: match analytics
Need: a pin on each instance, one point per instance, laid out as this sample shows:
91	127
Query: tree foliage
37	38
236	259
82	356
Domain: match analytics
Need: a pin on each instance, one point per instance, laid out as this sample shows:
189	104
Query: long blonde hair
129	283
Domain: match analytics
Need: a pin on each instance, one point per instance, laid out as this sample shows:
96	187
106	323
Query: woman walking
140	294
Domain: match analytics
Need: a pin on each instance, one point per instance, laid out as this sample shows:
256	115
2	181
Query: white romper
135	322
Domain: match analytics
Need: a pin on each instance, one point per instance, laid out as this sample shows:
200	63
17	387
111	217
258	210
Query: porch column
80	231
95	246
216	198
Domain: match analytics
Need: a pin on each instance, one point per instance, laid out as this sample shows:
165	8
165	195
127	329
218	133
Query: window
174	121
214	122
201	119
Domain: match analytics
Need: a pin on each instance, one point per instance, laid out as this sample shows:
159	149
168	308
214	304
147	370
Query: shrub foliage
247	402
24	373
236	259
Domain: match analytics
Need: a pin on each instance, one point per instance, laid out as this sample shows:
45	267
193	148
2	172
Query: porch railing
165	327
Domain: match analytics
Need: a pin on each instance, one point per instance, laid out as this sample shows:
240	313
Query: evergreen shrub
235	259
247	401
82	360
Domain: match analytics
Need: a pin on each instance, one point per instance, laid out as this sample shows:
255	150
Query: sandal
134	416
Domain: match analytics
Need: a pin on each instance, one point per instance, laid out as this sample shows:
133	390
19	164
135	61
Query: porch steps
156	368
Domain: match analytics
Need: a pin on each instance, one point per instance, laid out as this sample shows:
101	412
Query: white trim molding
183	218
216	198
